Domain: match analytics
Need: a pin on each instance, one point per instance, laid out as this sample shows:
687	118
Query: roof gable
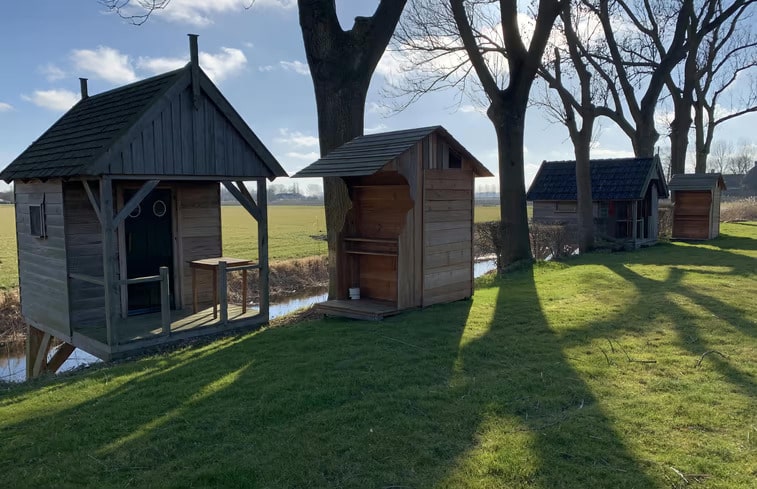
365	155
611	179
151	127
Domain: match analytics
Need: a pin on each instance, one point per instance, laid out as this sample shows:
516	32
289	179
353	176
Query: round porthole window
159	208
136	212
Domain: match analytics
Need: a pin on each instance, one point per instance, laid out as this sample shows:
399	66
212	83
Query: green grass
290	231
527	385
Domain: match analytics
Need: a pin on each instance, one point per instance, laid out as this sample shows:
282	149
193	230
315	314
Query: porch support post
111	289
165	301
222	295
263	247
635	217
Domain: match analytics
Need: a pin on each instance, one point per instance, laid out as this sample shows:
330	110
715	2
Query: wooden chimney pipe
83	87
194	61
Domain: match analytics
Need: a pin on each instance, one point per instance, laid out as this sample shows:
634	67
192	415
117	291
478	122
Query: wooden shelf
372	240
375	253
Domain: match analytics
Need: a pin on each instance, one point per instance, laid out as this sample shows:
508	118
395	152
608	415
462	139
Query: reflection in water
13	358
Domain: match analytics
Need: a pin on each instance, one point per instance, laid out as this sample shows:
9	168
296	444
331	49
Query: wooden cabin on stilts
407	240
118	219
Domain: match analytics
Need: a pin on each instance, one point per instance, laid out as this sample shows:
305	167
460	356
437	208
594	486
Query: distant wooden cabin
116	199
625	194
407	241
696	205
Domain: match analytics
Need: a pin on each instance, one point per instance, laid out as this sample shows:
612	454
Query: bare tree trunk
679	136
645	136
341	65
508	119
585	204
340	119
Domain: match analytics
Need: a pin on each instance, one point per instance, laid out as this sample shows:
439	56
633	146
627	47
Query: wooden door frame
176	285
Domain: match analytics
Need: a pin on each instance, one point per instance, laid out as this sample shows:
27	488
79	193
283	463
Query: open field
291	228
622	370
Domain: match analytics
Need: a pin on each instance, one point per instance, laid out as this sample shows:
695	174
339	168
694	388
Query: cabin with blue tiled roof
625	193
118	219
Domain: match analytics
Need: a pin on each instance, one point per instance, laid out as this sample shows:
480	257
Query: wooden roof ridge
367	154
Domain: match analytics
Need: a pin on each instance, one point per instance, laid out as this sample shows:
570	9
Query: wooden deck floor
146	329
370	309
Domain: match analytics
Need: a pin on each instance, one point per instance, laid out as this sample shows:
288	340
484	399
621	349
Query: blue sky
255	57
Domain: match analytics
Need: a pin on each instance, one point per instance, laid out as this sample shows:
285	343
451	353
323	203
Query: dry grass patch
12	326
739	210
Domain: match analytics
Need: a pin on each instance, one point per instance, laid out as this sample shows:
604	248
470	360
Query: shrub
739	210
12	325
665	221
553	241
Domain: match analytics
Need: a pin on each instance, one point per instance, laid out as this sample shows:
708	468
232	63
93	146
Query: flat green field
609	370
291	228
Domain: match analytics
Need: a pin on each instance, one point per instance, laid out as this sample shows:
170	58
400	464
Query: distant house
696	200
740	185
625	192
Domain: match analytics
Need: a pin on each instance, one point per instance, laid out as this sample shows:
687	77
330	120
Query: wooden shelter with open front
696	205
407	240
118	219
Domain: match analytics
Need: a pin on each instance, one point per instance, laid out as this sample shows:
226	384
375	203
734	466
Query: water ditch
13	357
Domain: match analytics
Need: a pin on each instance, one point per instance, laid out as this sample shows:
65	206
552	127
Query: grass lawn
566	375
290	231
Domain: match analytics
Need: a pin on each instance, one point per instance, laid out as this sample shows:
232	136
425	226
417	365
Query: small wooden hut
118	218
696	205
407	241
625	194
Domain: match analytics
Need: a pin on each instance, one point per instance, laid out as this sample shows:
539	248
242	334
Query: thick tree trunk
509	126
679	135
340	119
645	137
582	149
702	141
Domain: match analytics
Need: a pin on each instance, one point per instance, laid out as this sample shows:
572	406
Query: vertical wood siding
42	261
182	141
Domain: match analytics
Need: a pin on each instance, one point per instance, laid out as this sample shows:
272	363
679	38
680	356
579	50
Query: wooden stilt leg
37	347
61	355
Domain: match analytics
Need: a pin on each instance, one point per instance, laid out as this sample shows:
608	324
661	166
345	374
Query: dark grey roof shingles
611	179
87	129
365	155
695	181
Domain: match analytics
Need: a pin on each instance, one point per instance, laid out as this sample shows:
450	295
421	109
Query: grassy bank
290	235
590	373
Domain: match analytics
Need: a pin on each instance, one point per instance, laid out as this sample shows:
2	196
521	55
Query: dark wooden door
149	246
691	214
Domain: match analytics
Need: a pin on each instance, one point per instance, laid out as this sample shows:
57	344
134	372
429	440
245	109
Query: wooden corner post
110	263
263	248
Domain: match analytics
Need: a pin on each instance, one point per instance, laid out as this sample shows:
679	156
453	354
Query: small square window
455	161
37	220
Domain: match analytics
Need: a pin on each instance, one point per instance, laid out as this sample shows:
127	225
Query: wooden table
212	265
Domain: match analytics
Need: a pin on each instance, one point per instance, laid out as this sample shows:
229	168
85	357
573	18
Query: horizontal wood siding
42	261
85	256
183	141
447	235
546	211
691	214
200	230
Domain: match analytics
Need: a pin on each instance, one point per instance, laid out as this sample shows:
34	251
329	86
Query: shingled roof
697	181
365	155
611	179
86	139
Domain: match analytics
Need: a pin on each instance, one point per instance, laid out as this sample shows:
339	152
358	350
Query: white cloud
311	156
375	129
228	62
58	100
105	63
5	107
598	152
52	72
297	66
200	12
296	139
266	68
